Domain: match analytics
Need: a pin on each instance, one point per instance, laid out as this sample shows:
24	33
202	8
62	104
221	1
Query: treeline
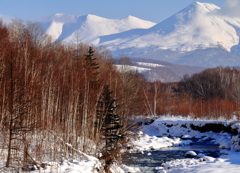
213	93
50	95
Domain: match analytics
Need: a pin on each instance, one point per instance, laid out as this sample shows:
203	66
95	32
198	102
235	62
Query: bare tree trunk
155	98
147	102
11	100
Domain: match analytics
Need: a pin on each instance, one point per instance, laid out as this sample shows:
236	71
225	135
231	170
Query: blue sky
152	10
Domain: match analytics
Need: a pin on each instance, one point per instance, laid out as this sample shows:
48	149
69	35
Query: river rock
200	155
186	137
208	159
190	154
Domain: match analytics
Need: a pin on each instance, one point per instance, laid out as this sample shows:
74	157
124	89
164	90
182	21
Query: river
147	161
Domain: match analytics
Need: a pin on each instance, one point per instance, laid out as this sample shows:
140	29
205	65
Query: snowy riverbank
168	132
177	131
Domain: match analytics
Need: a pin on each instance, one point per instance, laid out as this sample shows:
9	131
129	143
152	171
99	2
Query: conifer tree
90	84
108	125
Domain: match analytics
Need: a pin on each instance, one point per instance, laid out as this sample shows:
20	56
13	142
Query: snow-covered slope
5	19
199	35
198	26
88	28
155	70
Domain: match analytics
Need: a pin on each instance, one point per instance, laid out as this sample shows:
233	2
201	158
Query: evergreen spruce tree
108	125
90	63
90	84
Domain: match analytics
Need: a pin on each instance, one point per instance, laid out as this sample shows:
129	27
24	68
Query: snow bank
171	131
146	142
226	163
179	127
91	165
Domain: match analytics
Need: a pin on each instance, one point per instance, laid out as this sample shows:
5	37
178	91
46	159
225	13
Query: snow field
179	128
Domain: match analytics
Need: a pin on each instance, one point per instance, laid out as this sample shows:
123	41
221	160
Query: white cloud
231	8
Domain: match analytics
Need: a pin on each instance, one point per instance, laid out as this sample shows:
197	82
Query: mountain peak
129	17
64	26
204	7
94	18
59	14
194	27
199	3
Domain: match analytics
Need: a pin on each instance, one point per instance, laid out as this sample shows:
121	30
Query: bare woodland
57	101
49	96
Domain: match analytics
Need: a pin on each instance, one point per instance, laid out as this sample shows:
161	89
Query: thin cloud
231	8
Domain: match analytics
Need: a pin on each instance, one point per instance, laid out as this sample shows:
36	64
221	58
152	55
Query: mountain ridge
192	28
89	27
157	70
199	35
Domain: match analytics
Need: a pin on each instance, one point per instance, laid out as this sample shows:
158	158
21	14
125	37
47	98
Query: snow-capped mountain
196	26
88	28
199	35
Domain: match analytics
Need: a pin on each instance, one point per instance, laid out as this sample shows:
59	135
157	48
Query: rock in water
190	154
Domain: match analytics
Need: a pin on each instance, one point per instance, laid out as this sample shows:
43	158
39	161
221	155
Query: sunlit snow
150	64
198	26
88	28
179	127
127	68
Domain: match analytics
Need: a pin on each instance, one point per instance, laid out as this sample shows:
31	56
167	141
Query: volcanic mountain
196	26
197	35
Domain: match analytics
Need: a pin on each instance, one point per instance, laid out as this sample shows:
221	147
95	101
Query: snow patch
127	68
55	30
150	64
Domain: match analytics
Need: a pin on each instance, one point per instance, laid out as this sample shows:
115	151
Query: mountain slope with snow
198	26
198	35
155	70
88	28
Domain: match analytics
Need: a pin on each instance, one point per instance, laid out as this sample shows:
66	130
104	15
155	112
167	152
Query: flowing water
151	159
